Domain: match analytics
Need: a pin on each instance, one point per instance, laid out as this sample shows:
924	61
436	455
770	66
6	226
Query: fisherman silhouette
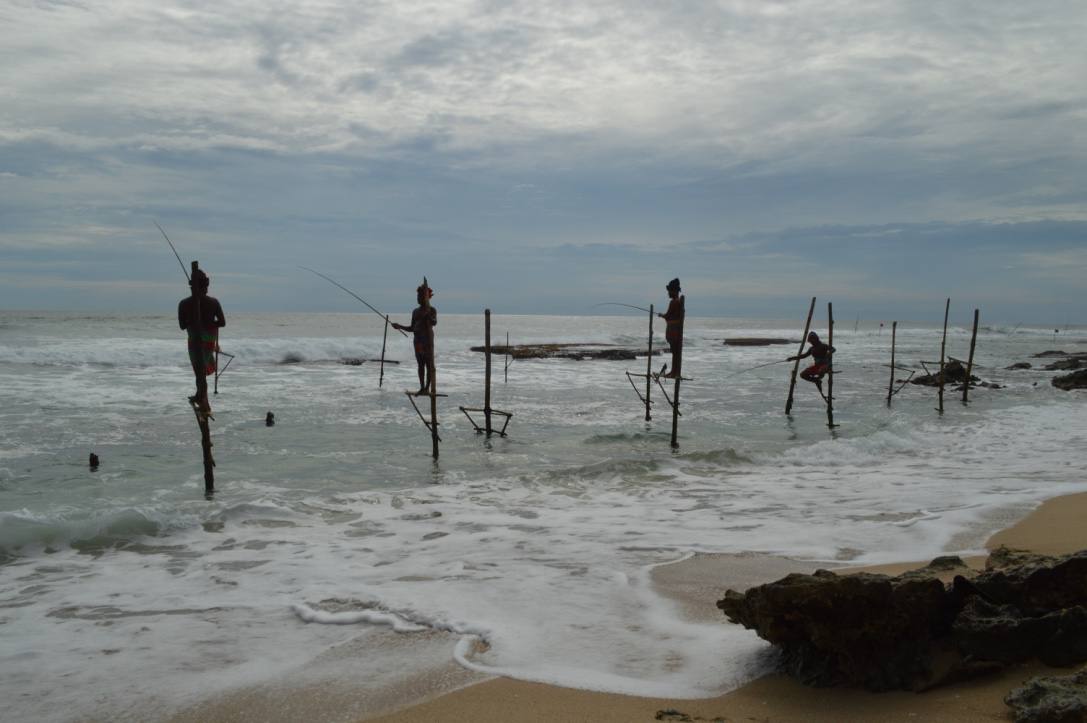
821	355
424	346
201	316
674	326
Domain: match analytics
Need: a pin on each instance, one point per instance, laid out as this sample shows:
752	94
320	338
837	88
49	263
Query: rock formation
912	631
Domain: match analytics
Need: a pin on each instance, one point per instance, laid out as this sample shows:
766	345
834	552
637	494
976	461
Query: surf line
218	352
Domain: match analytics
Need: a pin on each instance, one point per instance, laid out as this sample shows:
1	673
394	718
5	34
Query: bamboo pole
649	367
891	384
943	349
830	372
970	359
202	387
431	368
796	366
506	361
487	367
384	339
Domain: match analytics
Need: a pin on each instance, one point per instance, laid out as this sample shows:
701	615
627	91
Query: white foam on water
335	531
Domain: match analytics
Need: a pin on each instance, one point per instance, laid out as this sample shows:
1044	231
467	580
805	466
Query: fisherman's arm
218	317
181	314
798	357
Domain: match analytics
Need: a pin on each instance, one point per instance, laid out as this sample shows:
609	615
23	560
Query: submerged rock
1020	365
1053	699
912	631
1076	361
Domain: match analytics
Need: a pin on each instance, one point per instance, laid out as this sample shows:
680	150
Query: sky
545	156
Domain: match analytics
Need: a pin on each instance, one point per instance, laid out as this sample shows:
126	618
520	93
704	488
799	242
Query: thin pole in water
796	366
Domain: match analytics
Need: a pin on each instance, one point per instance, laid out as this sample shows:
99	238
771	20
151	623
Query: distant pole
943	349
891	384
487	367
649	367
830	372
970	359
432	368
796	366
506	362
384	338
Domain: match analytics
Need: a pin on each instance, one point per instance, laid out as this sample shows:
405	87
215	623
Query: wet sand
1056	527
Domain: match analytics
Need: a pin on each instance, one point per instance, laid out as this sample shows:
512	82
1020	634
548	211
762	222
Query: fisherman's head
423	293
813	337
199	282
673	288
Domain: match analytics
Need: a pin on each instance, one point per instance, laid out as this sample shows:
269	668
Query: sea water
124	593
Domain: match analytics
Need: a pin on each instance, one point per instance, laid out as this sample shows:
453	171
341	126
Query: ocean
337	550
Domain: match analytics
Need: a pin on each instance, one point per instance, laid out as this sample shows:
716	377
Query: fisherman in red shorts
821	356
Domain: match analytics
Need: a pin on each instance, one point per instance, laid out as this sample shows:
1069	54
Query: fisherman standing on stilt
424	348
822	356
674	331
201	316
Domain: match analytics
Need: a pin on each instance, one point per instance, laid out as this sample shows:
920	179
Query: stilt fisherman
201	316
674	326
423	319
822	356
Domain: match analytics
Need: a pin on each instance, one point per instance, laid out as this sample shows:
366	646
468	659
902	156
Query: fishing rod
629	306
760	366
179	261
336	283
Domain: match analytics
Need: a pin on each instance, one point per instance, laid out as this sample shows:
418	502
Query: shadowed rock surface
1074	361
912	631
1052	699
954	373
567	351
1020	365
1075	380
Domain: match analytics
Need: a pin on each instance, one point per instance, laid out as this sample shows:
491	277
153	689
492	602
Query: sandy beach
1055	527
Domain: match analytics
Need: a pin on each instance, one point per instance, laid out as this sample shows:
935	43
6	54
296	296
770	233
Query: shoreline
1054	527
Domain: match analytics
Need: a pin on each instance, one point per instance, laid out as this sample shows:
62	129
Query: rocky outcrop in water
1052	699
1074	361
1075	380
954	373
1019	365
912	631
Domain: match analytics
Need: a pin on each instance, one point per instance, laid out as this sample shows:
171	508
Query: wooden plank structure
487	411
796	366
970	359
943	350
830	372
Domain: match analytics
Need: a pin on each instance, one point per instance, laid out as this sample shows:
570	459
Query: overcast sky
543	156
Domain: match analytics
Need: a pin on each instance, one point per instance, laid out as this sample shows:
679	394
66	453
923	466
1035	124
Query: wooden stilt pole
675	411
432	368
202	389
830	374
506	361
970	359
943	349
649	367
487	373
891	384
384	339
796	366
